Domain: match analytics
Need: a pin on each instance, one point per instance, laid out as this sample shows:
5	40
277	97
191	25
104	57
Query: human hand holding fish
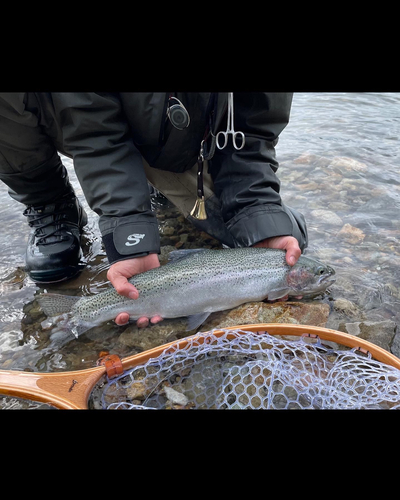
288	243
118	275
293	252
121	271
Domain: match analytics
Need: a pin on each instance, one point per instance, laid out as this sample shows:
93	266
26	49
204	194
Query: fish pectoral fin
278	293
196	320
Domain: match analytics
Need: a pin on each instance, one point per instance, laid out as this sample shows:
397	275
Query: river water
339	165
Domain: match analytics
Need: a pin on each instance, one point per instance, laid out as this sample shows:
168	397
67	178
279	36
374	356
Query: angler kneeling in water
215	149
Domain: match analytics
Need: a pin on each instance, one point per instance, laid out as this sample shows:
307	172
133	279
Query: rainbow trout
195	283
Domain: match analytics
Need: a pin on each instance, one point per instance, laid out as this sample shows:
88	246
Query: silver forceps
230	130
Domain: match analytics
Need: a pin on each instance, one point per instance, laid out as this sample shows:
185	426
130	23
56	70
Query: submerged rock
303	313
351	234
348	165
327	217
380	333
346	307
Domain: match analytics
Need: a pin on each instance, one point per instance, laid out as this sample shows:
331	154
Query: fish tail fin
54	304
59	307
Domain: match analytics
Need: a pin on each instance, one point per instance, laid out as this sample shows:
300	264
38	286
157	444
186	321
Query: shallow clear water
339	165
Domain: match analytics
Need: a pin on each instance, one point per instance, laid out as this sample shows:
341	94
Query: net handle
71	390
64	390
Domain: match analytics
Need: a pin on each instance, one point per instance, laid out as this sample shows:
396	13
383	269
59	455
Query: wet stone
380	333
305	313
346	307
352	234
328	217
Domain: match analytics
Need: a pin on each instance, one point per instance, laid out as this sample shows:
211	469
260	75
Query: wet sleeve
110	170
245	181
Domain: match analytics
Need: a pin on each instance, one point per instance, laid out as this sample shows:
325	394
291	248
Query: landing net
245	370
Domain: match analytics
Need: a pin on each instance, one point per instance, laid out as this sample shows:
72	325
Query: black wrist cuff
132	240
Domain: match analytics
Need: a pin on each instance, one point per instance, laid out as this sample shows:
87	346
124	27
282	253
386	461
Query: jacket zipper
164	120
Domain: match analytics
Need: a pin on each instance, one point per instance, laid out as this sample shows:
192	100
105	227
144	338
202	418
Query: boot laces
35	216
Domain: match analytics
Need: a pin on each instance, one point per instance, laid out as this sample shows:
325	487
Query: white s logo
135	239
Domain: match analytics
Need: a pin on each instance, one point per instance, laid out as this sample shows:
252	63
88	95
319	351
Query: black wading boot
54	250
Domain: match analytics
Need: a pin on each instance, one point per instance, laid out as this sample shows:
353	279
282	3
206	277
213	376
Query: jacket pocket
178	150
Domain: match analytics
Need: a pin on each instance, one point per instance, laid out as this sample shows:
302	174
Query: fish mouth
324	282
321	287
327	280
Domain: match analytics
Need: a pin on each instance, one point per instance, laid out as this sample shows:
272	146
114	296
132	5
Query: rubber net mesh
244	370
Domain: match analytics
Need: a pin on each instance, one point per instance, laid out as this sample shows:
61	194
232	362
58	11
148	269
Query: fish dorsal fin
176	255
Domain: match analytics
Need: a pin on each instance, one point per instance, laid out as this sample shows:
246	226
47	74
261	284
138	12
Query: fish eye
320	270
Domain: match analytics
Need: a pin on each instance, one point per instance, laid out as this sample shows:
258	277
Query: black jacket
106	134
